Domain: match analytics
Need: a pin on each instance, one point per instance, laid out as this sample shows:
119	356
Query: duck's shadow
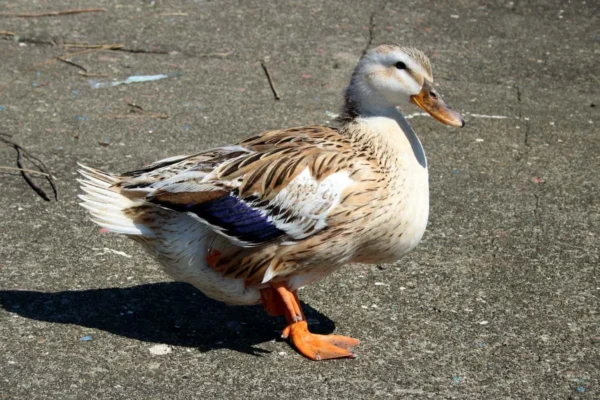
172	313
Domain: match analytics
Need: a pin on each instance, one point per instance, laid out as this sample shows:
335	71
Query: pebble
160	349
331	114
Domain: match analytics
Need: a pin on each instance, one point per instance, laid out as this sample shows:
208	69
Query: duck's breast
401	208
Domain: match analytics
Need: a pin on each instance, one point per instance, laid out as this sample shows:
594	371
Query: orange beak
430	101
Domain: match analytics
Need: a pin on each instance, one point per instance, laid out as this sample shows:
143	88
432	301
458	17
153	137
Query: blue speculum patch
236	218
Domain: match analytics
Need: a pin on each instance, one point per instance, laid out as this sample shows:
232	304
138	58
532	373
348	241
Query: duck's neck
380	120
361	101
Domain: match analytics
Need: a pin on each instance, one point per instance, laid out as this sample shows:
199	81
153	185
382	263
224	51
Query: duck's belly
181	247
401	223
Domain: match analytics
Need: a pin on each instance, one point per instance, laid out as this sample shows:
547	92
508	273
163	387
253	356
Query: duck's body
256	221
365	199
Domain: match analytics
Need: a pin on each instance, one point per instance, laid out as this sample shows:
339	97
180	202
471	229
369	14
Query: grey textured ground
501	299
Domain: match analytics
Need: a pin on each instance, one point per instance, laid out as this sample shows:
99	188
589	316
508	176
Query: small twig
78	53
273	89
209	55
136	111
166	14
41	85
7	33
92	75
71	63
139	114
35	187
92	46
51	13
172	14
42	167
38	164
215	55
52	60
134	106
31	171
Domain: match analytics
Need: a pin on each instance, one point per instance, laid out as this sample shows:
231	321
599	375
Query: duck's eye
400	65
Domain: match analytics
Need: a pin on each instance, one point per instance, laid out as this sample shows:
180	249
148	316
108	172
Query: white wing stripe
310	202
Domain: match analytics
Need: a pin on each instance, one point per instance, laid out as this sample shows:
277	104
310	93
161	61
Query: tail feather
106	204
92	205
96	194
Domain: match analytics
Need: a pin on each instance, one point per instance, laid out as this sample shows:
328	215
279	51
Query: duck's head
390	76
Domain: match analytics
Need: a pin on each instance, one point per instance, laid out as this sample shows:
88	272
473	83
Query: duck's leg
271	302
313	346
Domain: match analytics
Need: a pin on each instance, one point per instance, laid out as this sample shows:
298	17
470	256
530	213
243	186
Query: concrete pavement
500	300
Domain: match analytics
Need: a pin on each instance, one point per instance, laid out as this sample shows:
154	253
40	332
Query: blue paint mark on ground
86	338
94	84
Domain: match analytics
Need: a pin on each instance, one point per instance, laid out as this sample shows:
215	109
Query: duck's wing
278	185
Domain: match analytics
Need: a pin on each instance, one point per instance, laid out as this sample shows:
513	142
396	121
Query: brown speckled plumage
322	197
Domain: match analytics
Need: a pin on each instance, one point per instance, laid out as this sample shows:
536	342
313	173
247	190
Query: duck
253	222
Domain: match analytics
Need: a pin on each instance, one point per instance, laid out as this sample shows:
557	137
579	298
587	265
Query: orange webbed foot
319	347
279	300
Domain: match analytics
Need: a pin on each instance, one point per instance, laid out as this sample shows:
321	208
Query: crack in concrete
525	121
371	32
372	26
142	51
537	211
523	156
